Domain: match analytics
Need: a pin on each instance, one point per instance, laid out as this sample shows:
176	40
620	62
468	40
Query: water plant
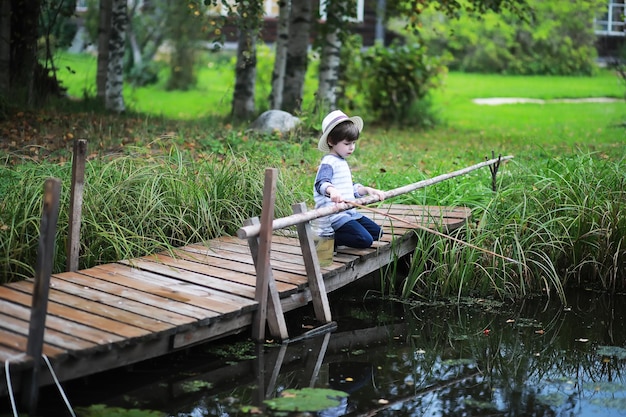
306	399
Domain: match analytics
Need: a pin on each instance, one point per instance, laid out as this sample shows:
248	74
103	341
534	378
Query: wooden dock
120	313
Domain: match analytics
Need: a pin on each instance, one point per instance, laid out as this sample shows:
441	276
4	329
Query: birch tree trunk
5	47
104	31
297	58
132	38
280	60
114	100
330	59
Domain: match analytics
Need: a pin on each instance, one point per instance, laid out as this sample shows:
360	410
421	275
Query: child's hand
335	196
373	191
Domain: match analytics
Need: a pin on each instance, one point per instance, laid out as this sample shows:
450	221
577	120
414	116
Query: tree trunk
5	48
245	76
330	59
183	31
114	100
104	30
381	6
297	58
280	60
23	41
250	21
135	49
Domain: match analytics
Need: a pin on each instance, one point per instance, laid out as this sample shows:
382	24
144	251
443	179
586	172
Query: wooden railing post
76	203
319	298
260	249
45	255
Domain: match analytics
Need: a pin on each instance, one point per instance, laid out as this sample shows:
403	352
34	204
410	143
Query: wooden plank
62	325
238	262
279	264
70	313
215	331
283	272
227	274
179	309
18	342
50	337
164	286
15	356
209	281
157	317
178	280
83	303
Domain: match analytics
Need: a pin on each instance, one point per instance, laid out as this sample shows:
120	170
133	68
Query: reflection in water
477	358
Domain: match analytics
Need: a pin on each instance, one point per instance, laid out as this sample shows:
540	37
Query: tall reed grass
134	204
562	219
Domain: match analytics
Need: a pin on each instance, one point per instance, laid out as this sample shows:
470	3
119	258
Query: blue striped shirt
334	170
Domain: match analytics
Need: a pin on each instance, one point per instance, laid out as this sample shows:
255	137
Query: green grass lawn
467	133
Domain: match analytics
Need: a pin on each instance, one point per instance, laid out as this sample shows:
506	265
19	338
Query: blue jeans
360	233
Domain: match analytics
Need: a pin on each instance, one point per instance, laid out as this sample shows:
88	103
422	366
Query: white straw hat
330	121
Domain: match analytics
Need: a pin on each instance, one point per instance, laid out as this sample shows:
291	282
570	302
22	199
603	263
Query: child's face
344	148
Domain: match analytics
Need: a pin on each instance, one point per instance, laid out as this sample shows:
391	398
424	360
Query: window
359	11
611	23
81	6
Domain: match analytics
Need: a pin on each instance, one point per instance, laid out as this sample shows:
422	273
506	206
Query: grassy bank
171	173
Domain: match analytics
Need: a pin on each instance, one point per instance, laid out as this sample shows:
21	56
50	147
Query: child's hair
343	131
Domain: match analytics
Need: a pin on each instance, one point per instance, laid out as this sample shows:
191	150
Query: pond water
475	358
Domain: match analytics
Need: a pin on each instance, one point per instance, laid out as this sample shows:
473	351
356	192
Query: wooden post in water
265	284
76	203
319	298
45	255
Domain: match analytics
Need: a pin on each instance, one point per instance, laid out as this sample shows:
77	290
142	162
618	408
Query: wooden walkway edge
117	314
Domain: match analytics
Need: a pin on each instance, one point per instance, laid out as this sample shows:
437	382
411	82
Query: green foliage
562	218
558	40
183	29
99	410
57	28
134	204
394	78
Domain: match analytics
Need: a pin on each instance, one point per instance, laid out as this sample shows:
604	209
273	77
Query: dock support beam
45	255
319	297
76	203
261	248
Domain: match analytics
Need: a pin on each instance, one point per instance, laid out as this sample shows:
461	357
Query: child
333	182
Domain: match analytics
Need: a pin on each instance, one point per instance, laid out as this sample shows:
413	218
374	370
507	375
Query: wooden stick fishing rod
435	232
253	230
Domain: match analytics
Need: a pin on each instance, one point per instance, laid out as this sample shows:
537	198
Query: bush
391	82
558	40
